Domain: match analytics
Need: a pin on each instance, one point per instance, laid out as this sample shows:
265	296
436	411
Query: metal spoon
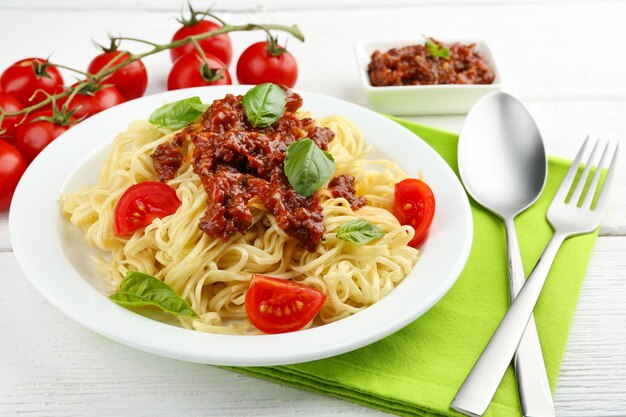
502	162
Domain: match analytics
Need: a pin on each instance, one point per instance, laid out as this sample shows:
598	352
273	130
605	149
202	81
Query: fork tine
591	192
608	181
566	184
583	177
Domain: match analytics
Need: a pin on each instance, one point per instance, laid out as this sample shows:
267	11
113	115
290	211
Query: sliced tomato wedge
141	204
276	305
414	205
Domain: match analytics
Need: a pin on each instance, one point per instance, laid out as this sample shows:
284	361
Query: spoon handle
530	369
481	384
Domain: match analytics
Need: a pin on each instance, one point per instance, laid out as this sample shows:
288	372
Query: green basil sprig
307	167
264	104
359	231
436	50
179	113
138	289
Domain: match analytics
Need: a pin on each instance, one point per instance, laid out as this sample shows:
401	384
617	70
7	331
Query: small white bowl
423	99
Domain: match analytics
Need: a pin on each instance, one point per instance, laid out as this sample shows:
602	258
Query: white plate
55	257
405	100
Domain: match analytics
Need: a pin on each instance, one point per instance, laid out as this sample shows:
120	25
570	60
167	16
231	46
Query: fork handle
479	387
532	380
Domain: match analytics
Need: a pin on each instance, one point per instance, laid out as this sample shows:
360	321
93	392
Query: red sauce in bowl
414	65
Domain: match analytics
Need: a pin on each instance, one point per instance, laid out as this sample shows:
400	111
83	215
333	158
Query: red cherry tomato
33	136
275	305
90	103
107	97
131	80
12	166
83	104
258	65
219	46
7	129
414	205
25	77
190	71
141	204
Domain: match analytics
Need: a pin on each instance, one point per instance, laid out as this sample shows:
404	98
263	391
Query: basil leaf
138	289
436	50
359	231
178	114
201	107
307	167
264	104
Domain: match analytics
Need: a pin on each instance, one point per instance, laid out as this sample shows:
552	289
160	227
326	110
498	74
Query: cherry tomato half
277	305
33	136
219	46
414	205
131	80
257	65
190	71
12	166
141	204
9	104
27	76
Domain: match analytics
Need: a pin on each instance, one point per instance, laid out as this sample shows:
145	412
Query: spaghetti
212	274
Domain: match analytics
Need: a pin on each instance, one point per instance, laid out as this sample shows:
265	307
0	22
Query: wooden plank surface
563	59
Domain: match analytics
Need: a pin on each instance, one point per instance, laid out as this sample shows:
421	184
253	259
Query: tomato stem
214	16
113	46
114	65
193	16
200	51
126	38
208	74
70	69
40	68
272	46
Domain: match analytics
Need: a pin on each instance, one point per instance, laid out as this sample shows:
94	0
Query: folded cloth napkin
417	370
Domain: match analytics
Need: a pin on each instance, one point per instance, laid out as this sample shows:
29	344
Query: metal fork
568	217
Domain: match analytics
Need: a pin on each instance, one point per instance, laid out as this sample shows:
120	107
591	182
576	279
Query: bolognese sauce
237	162
342	186
414	65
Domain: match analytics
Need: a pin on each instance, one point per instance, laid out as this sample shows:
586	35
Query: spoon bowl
502	159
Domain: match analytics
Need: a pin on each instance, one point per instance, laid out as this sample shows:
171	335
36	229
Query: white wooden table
565	60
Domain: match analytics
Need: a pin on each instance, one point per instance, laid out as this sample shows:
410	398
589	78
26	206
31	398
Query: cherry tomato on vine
83	105
191	71
7	129
24	78
34	135
219	46
107	97
131	80
92	100
12	166
141	204
267	62
275	305
414	205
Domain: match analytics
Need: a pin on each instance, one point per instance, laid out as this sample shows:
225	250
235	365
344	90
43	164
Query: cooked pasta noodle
212	275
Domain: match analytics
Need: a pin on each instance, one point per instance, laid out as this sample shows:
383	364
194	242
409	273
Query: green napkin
417	370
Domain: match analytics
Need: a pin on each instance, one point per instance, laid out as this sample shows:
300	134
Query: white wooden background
565	60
